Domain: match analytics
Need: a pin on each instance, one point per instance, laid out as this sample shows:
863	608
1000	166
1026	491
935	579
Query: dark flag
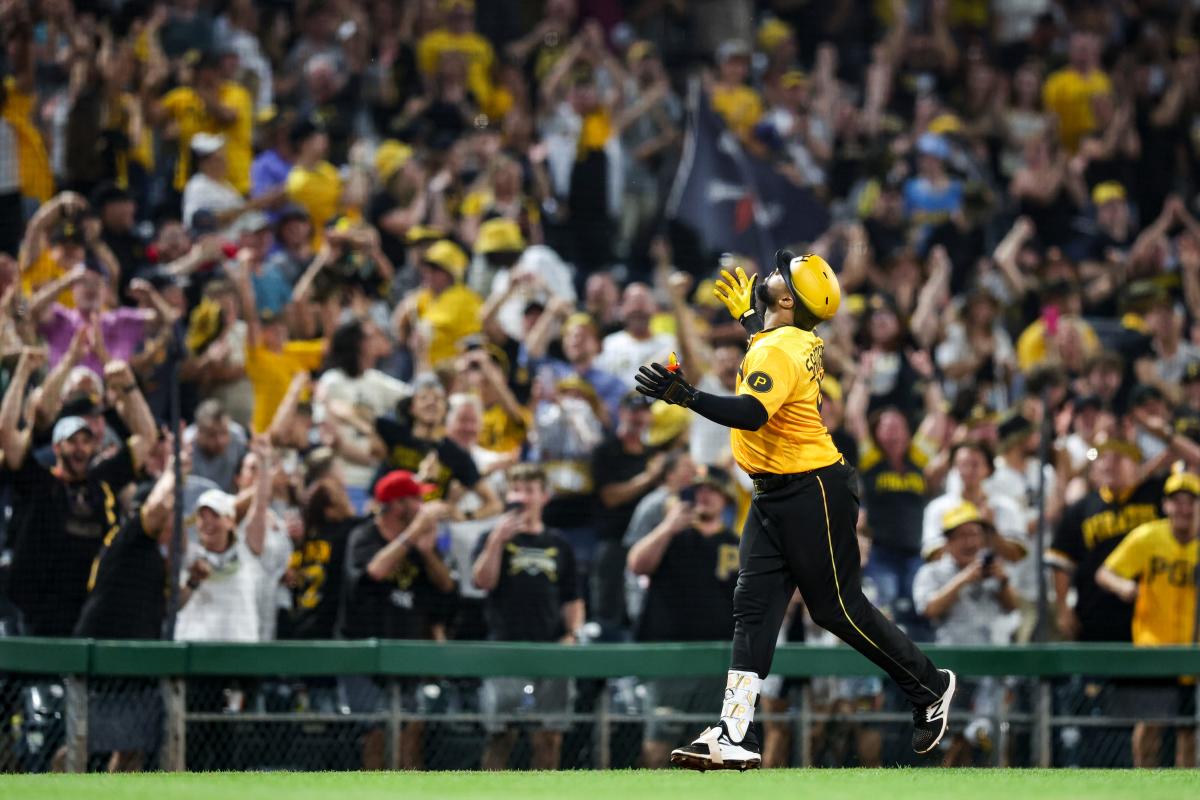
733	200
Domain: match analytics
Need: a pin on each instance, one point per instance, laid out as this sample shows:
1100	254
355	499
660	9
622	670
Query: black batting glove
666	383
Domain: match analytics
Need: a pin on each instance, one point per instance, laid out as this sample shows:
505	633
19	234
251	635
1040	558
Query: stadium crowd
397	263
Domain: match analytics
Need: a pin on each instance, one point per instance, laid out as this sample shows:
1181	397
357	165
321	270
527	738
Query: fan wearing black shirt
318	563
625	470
62	514
126	599
691	559
392	578
407	441
528	572
1126	496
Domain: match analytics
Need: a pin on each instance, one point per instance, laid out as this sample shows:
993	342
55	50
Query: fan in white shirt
221	599
626	350
224	575
351	394
209	189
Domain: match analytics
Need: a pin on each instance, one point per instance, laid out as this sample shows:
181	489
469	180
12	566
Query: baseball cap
220	503
772	33
1182	482
205	144
304	128
639	50
399	484
499	236
81	404
1144	393
1113	444
67	427
424	234
962	514
933	144
448	256
1107	192
945	124
718	479
108	192
252	222
580	318
390	157
733	48
636	400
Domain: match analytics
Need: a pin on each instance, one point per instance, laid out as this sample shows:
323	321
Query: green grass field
897	784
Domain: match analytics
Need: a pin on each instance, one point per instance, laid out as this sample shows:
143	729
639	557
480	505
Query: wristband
193	584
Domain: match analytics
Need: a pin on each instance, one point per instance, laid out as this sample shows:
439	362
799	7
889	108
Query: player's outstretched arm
667	383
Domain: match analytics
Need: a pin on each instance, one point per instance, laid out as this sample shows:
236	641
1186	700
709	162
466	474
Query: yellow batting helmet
812	282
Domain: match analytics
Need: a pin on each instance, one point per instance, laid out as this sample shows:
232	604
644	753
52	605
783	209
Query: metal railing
1042	701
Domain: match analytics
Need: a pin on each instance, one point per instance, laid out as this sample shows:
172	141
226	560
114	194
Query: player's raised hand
666	383
736	291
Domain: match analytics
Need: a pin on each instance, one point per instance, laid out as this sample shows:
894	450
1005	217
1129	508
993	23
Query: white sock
741	693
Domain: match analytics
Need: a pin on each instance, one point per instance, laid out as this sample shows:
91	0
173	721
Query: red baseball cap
399	484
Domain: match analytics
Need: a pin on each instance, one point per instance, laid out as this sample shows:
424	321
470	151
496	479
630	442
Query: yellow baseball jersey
783	370
1165	570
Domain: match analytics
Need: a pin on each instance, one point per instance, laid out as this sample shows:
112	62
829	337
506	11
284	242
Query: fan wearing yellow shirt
272	362
210	105
18	105
313	183
801	532
459	36
1155	568
53	243
444	310
738	104
1068	92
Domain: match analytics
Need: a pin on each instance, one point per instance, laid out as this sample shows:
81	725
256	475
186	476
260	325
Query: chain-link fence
495	719
318	724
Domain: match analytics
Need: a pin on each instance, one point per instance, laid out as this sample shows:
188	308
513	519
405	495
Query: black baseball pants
802	535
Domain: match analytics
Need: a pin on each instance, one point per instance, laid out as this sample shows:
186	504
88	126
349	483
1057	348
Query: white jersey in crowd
621	354
225	606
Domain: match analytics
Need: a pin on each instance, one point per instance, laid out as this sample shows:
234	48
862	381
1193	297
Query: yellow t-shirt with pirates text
1165	570
783	370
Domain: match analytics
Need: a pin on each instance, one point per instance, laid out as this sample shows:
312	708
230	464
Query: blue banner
734	200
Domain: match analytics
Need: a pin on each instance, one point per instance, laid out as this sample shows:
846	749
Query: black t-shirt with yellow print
319	562
537	576
406	451
400	607
58	529
895	498
1090	529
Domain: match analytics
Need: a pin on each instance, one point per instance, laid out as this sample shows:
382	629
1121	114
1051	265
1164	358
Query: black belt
768	482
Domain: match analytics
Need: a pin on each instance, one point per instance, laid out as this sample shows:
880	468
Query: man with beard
62	514
635	344
801	531
390	587
691	560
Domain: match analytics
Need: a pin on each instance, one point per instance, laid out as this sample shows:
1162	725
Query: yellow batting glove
736	292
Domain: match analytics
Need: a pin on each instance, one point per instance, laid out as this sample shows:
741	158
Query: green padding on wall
139	658
482	659
284	658
60	656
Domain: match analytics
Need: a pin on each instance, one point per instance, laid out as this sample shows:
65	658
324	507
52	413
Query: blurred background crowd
394	263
